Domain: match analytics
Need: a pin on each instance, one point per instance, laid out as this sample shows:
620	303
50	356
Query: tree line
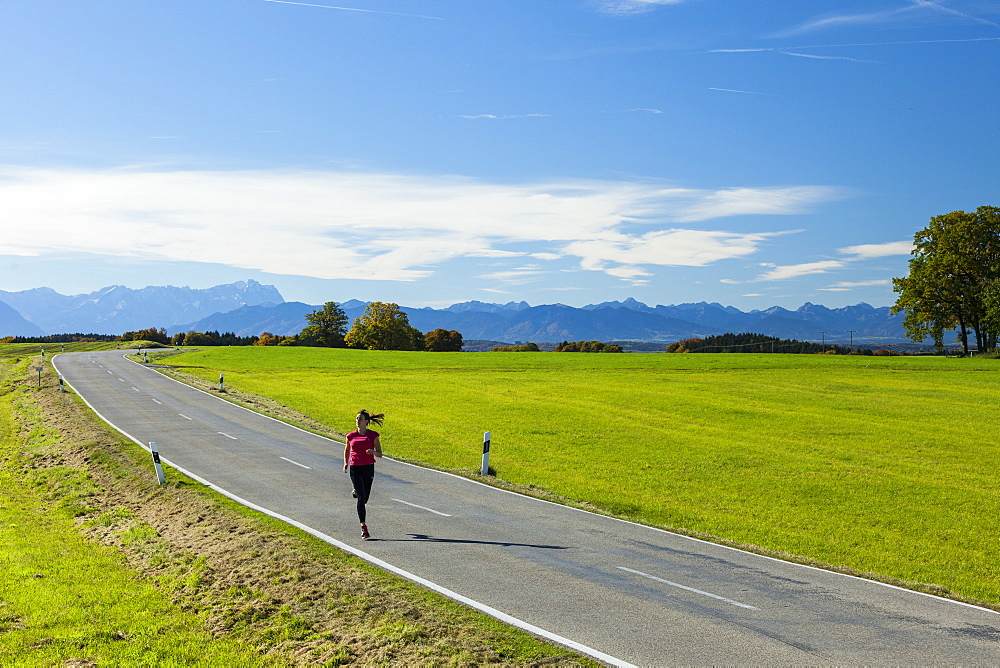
760	343
383	326
564	347
62	338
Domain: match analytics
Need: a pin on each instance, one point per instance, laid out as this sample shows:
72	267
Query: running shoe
364	532
354	493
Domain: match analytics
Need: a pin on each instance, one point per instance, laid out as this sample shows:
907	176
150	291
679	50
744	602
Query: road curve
623	593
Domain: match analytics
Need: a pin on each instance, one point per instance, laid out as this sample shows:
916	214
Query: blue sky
429	152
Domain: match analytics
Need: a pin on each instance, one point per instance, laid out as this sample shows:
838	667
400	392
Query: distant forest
62	338
759	343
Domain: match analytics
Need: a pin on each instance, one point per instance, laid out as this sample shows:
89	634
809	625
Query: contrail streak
916	41
733	90
355	9
840	46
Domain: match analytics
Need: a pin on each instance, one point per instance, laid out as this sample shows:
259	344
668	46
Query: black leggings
362	477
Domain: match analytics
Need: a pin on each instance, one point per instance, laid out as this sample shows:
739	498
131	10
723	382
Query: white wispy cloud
869	251
377	226
517	276
781	273
860	252
914	10
763	201
839	20
845	286
951	10
624	256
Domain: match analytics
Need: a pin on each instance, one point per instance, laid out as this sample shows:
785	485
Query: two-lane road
624	593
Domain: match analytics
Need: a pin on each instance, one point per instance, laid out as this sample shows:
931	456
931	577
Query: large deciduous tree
384	326
326	327
954	278
443	340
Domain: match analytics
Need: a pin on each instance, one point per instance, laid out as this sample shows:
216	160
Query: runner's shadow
424	538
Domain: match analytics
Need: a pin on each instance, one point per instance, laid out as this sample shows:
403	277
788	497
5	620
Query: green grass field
886	466
61	596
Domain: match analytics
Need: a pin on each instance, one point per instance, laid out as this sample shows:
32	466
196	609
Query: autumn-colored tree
267	339
683	346
196	339
519	348
588	347
384	326
443	340
326	327
149	334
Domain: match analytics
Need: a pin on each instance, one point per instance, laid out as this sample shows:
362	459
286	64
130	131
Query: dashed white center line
228	436
157	402
182	415
136	389
430	510
691	589
296	463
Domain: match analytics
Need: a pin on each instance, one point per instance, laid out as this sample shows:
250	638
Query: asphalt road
621	592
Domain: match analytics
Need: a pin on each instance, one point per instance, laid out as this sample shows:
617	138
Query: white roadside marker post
156	463
221	389
62	388
486	453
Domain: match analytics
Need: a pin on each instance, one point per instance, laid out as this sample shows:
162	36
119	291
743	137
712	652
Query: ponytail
376	418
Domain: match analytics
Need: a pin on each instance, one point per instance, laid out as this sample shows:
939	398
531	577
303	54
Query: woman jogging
360	451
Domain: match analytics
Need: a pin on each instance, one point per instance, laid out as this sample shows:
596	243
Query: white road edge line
228	436
296	463
430	510
691	589
455	596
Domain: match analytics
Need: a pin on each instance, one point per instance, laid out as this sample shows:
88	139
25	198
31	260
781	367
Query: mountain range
117	309
250	308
